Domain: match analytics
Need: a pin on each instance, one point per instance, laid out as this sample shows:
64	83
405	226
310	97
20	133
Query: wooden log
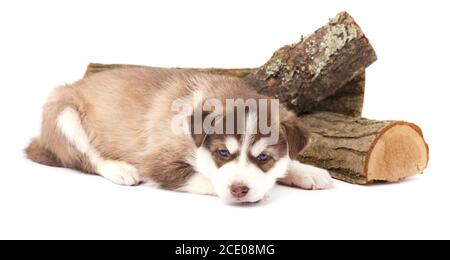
99	67
304	74
361	151
347	100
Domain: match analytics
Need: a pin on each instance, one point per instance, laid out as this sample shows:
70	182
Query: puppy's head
245	162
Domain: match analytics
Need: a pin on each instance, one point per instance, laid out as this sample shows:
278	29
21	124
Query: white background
47	43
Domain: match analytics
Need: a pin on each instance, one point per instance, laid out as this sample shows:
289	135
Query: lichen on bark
337	36
273	68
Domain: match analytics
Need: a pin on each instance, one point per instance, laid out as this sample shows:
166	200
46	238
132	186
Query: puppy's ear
203	125
296	135
196	128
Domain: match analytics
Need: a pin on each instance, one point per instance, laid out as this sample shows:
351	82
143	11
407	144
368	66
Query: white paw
307	177
317	180
121	173
198	184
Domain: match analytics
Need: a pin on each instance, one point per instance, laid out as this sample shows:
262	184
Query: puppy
179	129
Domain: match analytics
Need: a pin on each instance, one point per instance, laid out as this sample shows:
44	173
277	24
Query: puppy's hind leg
119	172
306	177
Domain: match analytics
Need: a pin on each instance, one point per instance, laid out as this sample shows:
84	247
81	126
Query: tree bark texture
360	150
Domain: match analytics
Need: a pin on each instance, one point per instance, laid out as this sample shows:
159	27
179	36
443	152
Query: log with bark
322	79
347	100
359	150
304	74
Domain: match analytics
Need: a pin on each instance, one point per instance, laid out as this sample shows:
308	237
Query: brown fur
38	153
293	135
126	114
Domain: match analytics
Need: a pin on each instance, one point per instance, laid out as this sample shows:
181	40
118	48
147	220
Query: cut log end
399	152
361	151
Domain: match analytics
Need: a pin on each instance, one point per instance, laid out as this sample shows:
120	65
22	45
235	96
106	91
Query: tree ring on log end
398	152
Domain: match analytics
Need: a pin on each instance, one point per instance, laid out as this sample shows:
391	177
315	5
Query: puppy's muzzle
239	190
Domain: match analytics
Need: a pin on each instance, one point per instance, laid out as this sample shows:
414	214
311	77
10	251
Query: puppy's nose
239	190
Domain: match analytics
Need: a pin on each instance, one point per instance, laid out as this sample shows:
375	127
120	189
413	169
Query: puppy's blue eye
223	153
263	157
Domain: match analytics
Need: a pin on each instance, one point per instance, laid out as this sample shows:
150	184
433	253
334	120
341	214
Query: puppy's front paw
121	173
317	180
307	177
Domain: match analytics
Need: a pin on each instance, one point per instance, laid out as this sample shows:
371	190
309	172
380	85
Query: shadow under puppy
137	125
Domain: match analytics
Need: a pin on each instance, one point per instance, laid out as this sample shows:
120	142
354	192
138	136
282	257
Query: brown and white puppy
141	125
